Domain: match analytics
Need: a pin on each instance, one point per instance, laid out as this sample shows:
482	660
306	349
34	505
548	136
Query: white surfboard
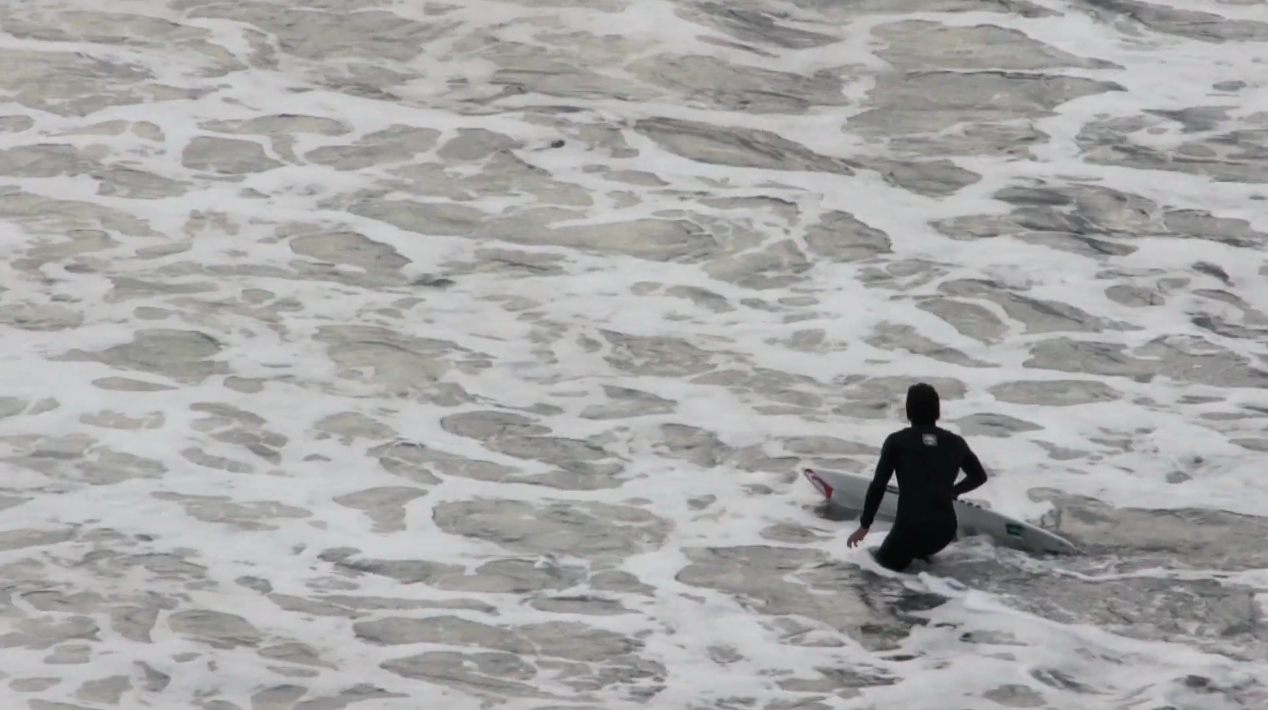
850	490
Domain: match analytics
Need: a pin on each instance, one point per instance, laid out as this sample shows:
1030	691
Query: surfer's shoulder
899	437
948	435
959	440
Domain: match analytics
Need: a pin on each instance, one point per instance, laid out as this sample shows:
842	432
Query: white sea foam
224	538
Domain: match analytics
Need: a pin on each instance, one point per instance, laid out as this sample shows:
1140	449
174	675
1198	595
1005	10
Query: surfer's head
923	407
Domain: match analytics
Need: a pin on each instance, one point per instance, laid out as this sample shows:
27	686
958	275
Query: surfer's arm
974	474
876	491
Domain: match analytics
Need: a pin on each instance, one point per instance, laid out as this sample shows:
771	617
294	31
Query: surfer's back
927	459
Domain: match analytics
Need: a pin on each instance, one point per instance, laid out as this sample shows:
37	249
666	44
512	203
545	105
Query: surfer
927	459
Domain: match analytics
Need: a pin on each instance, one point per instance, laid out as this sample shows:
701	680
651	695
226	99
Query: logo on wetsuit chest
929	439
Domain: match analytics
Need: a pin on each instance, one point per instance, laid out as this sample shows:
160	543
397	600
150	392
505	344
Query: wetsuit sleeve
974	474
876	491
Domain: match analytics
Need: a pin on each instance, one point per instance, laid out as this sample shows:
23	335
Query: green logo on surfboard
1013	529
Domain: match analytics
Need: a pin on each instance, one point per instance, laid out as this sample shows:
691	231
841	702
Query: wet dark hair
923	405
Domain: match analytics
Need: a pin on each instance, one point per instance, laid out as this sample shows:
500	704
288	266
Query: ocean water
399	355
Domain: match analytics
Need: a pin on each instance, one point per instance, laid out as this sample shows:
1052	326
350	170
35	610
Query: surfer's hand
856	537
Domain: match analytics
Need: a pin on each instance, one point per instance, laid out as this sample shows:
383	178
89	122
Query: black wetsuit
927	460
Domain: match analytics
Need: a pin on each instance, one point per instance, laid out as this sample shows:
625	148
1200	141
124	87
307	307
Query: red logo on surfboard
819	484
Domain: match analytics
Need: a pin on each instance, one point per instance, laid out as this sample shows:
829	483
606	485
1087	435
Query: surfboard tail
819	484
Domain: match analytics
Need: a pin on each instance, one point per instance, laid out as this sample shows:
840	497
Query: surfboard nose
819	484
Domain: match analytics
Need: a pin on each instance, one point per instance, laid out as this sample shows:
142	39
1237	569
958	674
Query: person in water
927	459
